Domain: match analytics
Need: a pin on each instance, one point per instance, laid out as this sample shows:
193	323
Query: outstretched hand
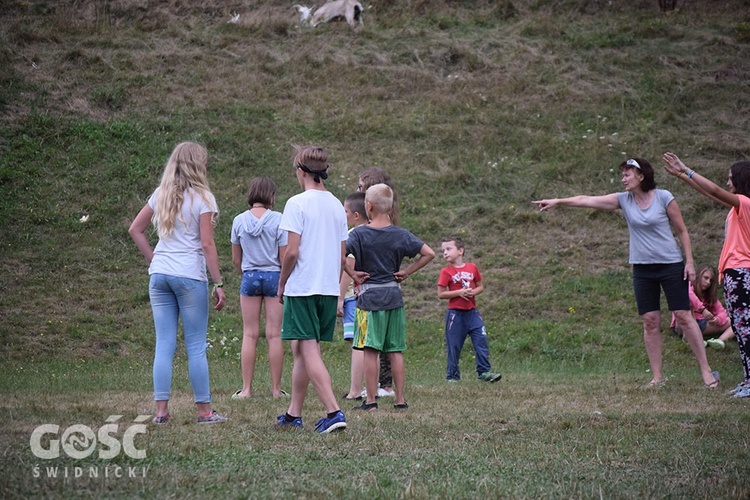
545	204
673	165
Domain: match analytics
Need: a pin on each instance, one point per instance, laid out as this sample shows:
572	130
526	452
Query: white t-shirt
181	253
319	218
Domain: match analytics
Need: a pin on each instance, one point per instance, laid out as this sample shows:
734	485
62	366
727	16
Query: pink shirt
736	251
697	304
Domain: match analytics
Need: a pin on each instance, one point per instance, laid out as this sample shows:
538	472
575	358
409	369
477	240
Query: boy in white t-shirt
309	285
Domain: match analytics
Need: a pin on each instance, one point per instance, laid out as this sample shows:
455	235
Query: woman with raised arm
734	263
657	262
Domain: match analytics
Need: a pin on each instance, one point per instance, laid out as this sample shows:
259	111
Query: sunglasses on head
633	163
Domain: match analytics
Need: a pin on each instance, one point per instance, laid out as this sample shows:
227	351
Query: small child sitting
707	309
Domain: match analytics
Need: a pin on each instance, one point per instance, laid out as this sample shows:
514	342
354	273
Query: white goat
351	10
304	13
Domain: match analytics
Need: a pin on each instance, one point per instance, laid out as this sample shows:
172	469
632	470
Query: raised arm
674	166
605	202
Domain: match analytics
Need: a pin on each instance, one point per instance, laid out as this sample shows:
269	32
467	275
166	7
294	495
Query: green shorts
384	331
309	318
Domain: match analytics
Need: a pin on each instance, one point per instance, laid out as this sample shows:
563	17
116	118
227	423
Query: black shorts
650	279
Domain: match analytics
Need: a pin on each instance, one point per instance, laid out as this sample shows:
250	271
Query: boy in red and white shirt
460	282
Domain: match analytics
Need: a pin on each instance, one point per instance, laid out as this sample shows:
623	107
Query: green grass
475	108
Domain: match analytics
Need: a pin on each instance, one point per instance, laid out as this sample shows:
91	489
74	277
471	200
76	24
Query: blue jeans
459	324
172	297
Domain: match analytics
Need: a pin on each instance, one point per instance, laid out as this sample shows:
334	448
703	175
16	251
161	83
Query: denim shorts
260	283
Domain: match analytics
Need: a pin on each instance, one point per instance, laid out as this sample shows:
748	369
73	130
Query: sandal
366	407
401	406
715	383
654	384
347	398
236	395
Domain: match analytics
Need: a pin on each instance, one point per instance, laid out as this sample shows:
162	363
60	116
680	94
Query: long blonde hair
185	170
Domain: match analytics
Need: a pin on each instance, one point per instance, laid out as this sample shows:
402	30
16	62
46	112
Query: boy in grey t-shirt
378	249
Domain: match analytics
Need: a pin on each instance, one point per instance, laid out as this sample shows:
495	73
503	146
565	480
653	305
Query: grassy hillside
475	108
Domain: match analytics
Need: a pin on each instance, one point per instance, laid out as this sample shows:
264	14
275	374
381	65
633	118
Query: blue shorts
260	283
350	304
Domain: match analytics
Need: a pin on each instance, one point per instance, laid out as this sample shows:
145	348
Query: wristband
220	284
690	174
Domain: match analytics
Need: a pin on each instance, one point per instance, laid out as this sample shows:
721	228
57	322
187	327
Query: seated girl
707	308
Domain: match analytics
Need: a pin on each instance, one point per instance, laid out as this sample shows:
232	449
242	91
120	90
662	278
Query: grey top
651	238
379	252
260	239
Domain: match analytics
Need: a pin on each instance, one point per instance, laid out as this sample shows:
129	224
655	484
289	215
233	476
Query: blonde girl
184	212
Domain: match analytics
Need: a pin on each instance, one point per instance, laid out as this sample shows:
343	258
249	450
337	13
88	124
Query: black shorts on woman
650	279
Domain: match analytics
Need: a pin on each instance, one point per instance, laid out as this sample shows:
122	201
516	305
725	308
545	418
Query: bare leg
357	372
162	408
317	373
274	314
687	324
371	365
652	339
727	335
725	330
300	381
398	369
250	332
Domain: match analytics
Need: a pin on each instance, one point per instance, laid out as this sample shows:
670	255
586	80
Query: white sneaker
716	343
385	393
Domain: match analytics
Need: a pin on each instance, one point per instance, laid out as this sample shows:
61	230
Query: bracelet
220	284
690	174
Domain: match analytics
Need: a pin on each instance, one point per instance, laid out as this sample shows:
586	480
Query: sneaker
281	421
743	393
377	394
212	418
335	423
489	377
739	387
160	419
715	343
386	393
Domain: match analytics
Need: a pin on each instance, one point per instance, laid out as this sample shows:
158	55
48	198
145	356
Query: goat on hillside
351	10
